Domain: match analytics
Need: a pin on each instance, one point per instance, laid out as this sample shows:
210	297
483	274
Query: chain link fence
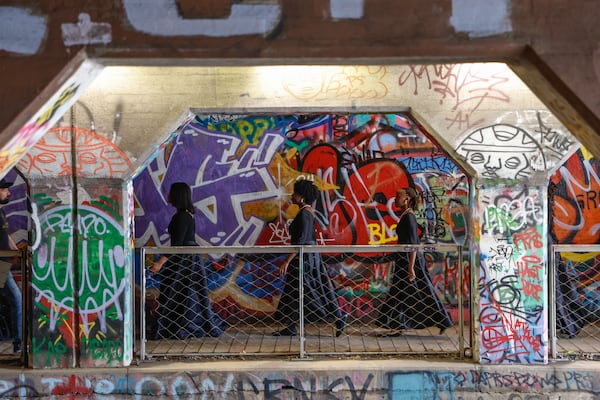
250	301
575	313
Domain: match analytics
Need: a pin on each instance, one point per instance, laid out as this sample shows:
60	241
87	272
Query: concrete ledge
276	380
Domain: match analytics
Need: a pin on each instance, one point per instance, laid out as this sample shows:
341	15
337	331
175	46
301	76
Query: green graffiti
103	349
99	260
100	251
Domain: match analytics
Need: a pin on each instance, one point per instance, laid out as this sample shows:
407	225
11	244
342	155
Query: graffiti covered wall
323	380
242	169
574	198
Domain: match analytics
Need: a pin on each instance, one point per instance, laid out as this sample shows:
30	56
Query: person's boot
287	331
340	325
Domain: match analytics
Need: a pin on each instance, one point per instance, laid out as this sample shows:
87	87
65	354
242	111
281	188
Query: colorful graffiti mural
574	198
241	170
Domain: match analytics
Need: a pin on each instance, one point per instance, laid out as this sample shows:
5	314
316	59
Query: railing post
25	308
552	304
301	302
461	314
143	304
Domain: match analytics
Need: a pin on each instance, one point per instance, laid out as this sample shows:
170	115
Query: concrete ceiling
135	109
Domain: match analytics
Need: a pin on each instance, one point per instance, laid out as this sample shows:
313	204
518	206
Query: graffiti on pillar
79	270
78	302
96	156
512	279
242	169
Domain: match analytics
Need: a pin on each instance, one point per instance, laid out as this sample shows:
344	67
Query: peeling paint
20	31
86	32
346	9
481	18
162	18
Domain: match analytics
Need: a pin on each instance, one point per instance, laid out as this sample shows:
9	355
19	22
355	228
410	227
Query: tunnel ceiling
129	111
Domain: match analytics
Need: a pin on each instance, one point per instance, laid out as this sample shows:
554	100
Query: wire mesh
252	302
575	333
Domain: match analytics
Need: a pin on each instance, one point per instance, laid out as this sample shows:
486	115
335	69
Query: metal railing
227	303
574	306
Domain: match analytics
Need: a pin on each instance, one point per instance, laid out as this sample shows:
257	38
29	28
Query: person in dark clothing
571	314
7	243
184	309
320	299
412	302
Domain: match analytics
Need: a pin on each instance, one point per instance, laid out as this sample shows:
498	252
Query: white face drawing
501	151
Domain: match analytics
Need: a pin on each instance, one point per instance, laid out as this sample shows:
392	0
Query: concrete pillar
511	291
80	292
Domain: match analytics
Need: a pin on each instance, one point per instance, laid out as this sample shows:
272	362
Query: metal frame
301	250
558	248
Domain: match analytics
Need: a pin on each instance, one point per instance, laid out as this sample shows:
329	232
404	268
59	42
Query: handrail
309	249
